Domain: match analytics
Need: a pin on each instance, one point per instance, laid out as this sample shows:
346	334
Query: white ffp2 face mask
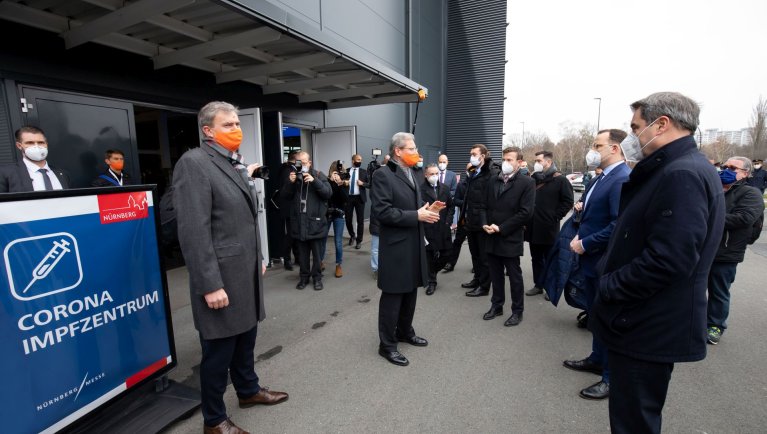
433	179
36	152
442	166
632	147
474	161
593	158
507	168
537	167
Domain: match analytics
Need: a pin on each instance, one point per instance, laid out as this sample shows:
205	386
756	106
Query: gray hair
683	111
430	165
398	141
746	163
210	110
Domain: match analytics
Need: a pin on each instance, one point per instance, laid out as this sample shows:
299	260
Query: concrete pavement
475	375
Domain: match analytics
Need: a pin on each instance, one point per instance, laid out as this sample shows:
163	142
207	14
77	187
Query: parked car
576	180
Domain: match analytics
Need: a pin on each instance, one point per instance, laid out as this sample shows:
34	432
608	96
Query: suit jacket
218	233
438	234
599	217
14	178
553	200
651	303
101	182
451	182
363	176
510	206
401	253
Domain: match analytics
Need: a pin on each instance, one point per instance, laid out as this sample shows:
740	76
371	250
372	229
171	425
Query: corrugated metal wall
476	52
7	142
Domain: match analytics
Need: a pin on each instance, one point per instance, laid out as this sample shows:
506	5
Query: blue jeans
374	252
338	235
720	278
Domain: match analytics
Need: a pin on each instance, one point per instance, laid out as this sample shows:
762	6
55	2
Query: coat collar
662	157
399	173
222	163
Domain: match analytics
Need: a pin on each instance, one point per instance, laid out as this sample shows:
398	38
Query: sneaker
534	291
714	334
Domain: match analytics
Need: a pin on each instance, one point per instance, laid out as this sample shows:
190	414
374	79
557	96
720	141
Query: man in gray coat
216	211
396	203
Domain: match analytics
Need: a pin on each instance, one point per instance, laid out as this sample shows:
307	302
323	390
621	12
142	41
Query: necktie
442	177
353	181
46	180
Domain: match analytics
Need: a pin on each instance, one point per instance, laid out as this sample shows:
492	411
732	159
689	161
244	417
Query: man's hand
292	177
360	183
308	178
426	216
437	206
263	268
252	168
578	206
577	246
217	299
454	226
491	229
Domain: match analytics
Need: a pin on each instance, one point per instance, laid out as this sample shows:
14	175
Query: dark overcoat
218	233
651	303
509	205
312	224
401	254
438	234
553	200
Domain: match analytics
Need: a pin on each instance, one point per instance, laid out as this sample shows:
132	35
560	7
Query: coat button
666	213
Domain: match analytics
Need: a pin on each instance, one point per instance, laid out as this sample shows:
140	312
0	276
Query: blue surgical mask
728	176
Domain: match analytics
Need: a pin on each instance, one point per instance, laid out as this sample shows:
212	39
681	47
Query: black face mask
357	163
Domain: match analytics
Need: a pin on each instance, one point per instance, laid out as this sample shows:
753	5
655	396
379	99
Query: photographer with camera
307	192
336	207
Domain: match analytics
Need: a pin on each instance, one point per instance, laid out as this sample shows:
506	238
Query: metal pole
523	134
599	112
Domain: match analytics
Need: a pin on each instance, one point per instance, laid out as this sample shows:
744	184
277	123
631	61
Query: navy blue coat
651	303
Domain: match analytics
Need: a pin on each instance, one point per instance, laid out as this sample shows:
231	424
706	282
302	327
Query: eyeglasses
596	146
733	168
411	149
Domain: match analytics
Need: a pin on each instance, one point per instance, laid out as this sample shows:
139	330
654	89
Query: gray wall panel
475	72
309	10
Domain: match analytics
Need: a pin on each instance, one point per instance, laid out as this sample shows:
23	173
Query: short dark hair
482	149
546	154
27	129
616	136
516	149
108	154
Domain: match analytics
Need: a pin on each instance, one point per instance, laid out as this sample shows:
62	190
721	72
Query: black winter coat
438	234
474	206
744	204
394	201
758	179
509	205
651	302
311	223
553	200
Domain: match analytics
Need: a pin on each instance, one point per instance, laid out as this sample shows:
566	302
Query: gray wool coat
218	233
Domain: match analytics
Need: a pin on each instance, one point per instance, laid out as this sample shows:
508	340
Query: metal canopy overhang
248	40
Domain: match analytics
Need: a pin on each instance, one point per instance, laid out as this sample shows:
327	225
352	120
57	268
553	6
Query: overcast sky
562	54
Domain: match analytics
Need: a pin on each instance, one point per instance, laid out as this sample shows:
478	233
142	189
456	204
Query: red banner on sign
120	207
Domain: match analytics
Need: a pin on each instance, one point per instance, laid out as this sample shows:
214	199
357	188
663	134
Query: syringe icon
48	262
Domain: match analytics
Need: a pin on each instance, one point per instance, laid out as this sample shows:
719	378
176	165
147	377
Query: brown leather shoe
339	271
225	427
264	397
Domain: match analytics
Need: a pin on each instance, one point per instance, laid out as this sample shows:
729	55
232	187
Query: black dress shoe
351	241
287	265
448	268
357	246
301	284
513	320
416	341
430	289
318	285
393	357
599	390
492	313
473	284
584	365
583	320
477	292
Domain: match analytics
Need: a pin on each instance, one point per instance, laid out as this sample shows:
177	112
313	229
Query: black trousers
637	394
437	261
538	254
460	237
304	249
497	265
290	243
232	356
395	318
477	247
357	206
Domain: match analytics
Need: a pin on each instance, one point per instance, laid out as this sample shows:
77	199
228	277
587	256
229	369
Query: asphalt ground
475	376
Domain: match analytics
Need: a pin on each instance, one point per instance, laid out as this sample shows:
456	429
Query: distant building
740	137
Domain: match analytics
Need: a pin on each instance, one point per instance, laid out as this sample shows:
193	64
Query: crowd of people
648	252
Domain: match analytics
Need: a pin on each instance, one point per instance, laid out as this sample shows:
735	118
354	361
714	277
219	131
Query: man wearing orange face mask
396	203
216	210
114	175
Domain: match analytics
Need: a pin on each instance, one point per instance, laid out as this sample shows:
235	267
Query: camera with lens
261	173
341	172
297	165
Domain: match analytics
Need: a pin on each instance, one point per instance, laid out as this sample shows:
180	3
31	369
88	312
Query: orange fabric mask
230	140
117	166
410	160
